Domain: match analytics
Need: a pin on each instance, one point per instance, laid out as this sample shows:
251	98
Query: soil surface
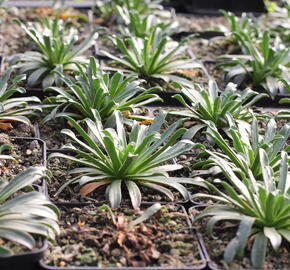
90	238
216	73
19	129
50	132
205	49
27	153
201	23
224	232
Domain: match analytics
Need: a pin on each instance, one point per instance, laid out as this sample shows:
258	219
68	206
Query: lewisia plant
113	158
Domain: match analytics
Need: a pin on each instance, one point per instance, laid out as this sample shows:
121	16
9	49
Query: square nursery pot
74	217
168	100
1	58
28	260
269	102
24	261
198	34
31	92
273	261
272	102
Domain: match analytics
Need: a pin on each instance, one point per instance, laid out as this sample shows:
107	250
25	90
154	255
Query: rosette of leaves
243	150
222	108
262	64
96	91
14	109
155	56
55	27
110	9
260	206
144	7
57	52
240	24
113	158
24	215
278	20
141	26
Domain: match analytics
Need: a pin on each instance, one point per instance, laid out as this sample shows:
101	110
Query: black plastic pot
27	260
168	99
210	263
63	151
202	264
1	60
37	92
99	56
201	242
212	7
198	34
24	261
273	103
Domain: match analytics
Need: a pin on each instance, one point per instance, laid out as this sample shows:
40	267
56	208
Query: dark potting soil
201	23
19	129
187	160
26	154
209	50
216	73
105	44
90	238
50	132
224	232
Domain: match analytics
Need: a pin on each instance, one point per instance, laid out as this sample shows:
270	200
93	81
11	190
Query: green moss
88	256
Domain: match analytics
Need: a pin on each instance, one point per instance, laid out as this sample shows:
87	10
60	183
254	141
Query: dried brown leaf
88	188
5	126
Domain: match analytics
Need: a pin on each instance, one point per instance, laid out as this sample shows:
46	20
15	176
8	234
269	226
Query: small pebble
183	157
34	145
171	222
174	252
116	252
